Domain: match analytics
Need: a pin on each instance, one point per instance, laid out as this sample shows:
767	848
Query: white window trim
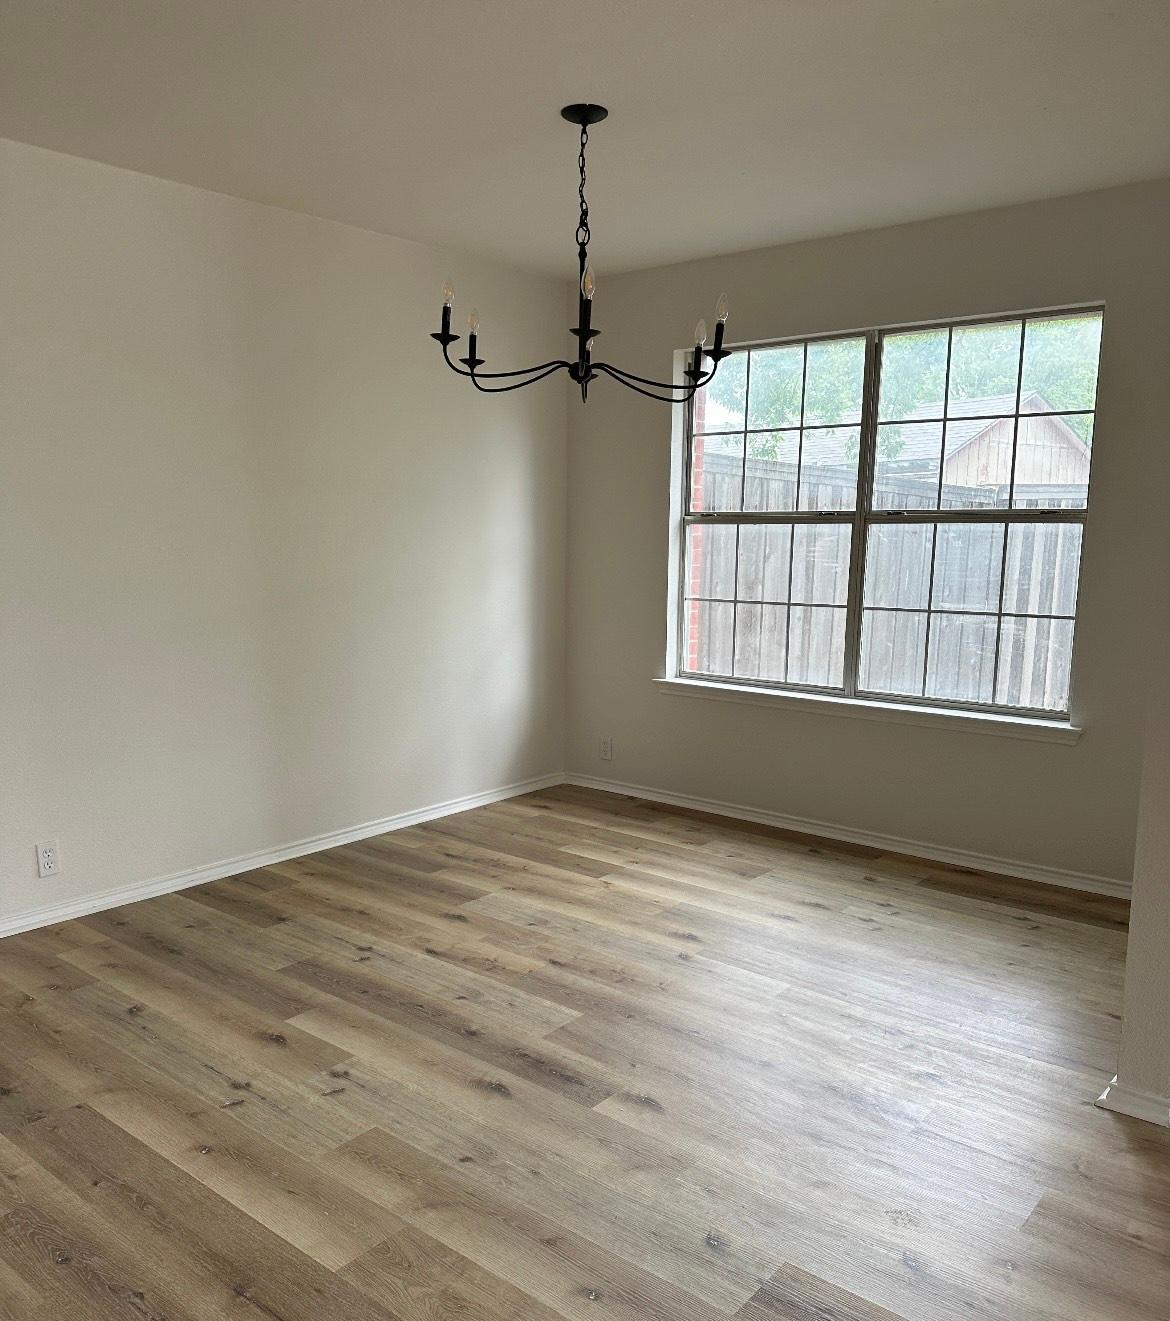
861	708
1037	727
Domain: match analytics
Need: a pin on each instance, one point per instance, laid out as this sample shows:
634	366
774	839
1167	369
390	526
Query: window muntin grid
996	644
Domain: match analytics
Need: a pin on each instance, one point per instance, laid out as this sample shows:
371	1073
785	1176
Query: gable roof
921	430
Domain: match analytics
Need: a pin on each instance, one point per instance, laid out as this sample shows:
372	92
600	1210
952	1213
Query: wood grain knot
492	1085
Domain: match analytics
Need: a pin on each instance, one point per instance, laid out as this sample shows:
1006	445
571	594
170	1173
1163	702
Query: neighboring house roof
920	432
920	443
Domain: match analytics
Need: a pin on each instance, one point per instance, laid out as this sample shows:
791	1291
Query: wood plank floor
577	1056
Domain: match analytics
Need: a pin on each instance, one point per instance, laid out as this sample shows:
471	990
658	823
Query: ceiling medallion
584	369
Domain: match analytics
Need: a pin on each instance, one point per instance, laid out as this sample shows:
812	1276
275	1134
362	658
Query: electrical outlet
48	858
605	749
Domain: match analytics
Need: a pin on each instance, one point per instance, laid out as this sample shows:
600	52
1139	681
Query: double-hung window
893	515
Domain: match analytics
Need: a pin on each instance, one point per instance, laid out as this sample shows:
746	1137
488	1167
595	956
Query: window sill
974	722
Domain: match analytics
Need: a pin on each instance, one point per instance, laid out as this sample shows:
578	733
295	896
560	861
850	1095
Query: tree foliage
1059	363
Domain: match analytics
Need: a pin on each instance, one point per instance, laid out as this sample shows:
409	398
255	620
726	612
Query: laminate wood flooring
577	1056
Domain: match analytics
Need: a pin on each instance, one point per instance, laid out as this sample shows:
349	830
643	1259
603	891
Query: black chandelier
584	369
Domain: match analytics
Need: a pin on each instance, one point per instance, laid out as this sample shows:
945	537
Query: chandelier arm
552	365
516	385
662	398
628	377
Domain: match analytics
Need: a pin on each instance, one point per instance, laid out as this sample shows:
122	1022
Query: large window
894	515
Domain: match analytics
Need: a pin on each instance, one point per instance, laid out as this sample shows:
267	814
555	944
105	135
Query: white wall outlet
605	749
48	858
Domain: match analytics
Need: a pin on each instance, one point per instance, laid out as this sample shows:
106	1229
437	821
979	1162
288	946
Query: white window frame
851	698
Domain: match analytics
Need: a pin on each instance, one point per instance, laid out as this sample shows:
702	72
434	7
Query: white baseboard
215	871
1136	1103
1028	871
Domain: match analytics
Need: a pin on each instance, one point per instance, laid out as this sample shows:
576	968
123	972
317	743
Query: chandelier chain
583	224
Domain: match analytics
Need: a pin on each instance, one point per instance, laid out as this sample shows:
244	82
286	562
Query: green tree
1059	364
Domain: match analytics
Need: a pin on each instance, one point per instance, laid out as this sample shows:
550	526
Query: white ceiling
734	123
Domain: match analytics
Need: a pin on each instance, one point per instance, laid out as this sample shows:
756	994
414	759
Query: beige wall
267	569
1068	807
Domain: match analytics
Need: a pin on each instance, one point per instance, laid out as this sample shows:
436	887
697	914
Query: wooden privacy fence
768	601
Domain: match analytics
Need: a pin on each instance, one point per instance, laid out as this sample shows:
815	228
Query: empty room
584	651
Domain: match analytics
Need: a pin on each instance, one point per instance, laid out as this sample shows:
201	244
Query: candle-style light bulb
588	283
721	310
473	322
700	331
448	293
